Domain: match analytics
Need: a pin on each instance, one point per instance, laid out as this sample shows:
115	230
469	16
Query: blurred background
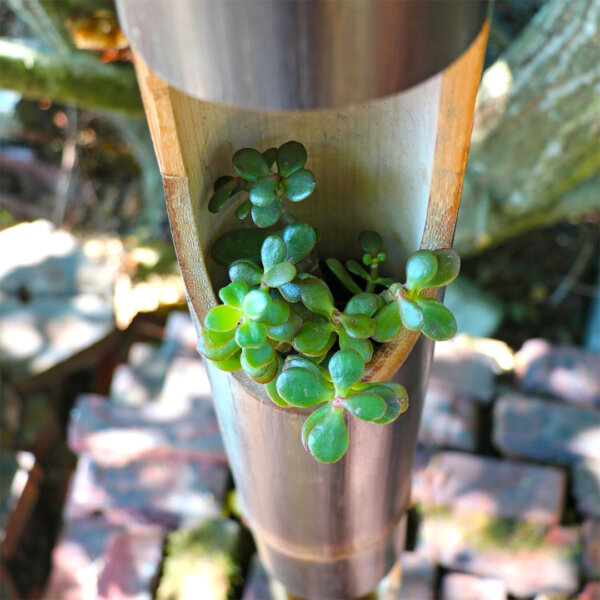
108	491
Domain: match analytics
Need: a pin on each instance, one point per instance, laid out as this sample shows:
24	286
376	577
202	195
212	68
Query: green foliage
280	321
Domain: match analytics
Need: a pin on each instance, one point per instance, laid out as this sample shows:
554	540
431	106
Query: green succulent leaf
222	352
279	275
387	323
360	327
245	271
420	268
264	191
313	419
328	439
440	323
291	157
230	364
296	360
239	244
234	294
411	314
396	403
357	269
269	374
363	347
286	331
270	156
314	339
223	318
273	251
265	216
254	372
221	196
338	269
299	185
385	281
243	210
448	267
216	339
250	164
259	357
251	334
370	241
346	367
277	314
367	406
364	303
271	387
292	291
256	304
300	238
303	388
317	297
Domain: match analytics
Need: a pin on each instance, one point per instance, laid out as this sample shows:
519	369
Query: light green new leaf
230	364
440	323
234	293
223	318
346	367
303	388
250	164
251	334
277	313
299	185
216	339
291	157
226	350
420	268
256	303
328	439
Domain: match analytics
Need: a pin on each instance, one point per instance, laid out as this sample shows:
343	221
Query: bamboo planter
393	165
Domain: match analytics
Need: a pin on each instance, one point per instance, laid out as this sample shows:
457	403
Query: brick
180	337
590	592
182	425
496	487
462	371
530	559
566	372
448	420
460	586
166	491
586	487
591	548
201	562
533	428
96	558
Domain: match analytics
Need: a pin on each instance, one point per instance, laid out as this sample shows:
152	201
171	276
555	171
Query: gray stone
460	586
533	428
448	420
591	548
586	487
566	372
491	486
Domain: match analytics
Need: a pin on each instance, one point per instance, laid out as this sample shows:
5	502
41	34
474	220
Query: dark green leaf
364	303
277	313
220	198
411	314
259	357
363	347
222	352
265	216
338	269
448	267
234	293
303	388
243	210
440	323
251	334
279	275
300	238
256	304
317	297
292	292
367	406
270	155
313	419
245	271
273	252
357	269
221	181
239	244
264	191
370	241
250	164
287	331
291	157
360	327
230	364
299	186
314	339
346	367
387	323
328	439
420	268
222	318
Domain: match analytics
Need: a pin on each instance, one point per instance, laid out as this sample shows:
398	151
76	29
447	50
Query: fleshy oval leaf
357	269
314	339
250	334
265	216
313	419
264	191
279	275
234	293
360	327
411	314
221	196
420	268
303	388
328	439
300	238
272	252
299	185
363	347
317	296
216	339
269	373
277	313
256	303
338	269
245	271
367	406
286	331
222	318
346	367
223	352
230	364
243	210
387	322
370	241
270	155
271	387
448	267
291	157
363	303
259	357
440	323
250	164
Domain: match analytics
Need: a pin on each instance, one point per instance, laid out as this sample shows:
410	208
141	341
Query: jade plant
279	320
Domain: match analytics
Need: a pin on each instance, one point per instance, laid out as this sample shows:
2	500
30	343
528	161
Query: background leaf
250	164
221	196
370	241
338	269
239	244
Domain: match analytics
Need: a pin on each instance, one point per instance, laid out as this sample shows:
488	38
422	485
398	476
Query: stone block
591	548
491	486
165	490
448	420
460	586
529	427
586	487
201	562
566	372
529	558
96	558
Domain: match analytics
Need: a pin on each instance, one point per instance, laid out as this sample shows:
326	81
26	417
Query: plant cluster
279	320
